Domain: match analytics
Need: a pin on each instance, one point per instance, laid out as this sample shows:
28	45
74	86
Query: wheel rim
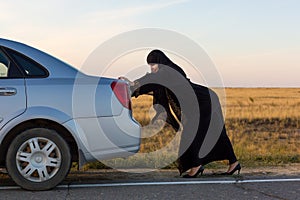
38	159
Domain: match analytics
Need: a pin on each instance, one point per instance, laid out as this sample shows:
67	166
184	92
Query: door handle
1	119
8	91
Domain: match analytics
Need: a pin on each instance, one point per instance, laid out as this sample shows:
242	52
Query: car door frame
12	89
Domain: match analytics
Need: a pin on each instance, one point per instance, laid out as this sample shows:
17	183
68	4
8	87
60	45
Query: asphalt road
165	184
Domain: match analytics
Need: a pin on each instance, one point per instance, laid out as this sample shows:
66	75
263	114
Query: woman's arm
146	84
138	89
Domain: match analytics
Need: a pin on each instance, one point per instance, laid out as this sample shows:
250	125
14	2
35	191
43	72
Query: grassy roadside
262	123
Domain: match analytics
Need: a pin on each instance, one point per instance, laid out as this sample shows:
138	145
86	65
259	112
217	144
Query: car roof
56	67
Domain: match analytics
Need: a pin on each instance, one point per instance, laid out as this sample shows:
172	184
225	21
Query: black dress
204	137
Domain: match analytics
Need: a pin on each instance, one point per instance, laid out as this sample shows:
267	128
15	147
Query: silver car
52	114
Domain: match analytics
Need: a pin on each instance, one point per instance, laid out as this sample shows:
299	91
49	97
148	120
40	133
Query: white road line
181	183
165	183
9	187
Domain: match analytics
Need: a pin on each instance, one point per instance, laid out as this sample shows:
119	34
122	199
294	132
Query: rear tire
38	159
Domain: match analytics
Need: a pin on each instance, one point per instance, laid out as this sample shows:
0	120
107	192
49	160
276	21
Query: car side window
31	68
4	65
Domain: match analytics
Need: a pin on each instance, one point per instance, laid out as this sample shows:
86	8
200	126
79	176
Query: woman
196	107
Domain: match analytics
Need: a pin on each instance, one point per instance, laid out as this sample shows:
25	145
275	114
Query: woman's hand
127	80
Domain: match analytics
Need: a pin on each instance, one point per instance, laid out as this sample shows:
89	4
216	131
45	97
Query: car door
12	90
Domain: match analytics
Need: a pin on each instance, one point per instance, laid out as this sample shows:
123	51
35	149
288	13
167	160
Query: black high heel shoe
237	168
200	170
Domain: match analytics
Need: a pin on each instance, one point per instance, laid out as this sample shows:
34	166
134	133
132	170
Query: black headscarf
164	96
158	57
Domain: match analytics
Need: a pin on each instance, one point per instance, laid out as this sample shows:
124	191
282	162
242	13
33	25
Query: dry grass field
262	123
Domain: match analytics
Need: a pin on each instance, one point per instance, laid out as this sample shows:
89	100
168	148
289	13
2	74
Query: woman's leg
230	155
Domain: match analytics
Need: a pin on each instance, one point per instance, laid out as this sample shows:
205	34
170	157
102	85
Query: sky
252	43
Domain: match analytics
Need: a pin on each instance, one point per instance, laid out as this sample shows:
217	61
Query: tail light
120	89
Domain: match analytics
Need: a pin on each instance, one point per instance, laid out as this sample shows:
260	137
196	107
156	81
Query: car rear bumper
106	137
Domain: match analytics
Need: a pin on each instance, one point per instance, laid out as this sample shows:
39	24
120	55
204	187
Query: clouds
71	29
63	14
4	14
132	11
